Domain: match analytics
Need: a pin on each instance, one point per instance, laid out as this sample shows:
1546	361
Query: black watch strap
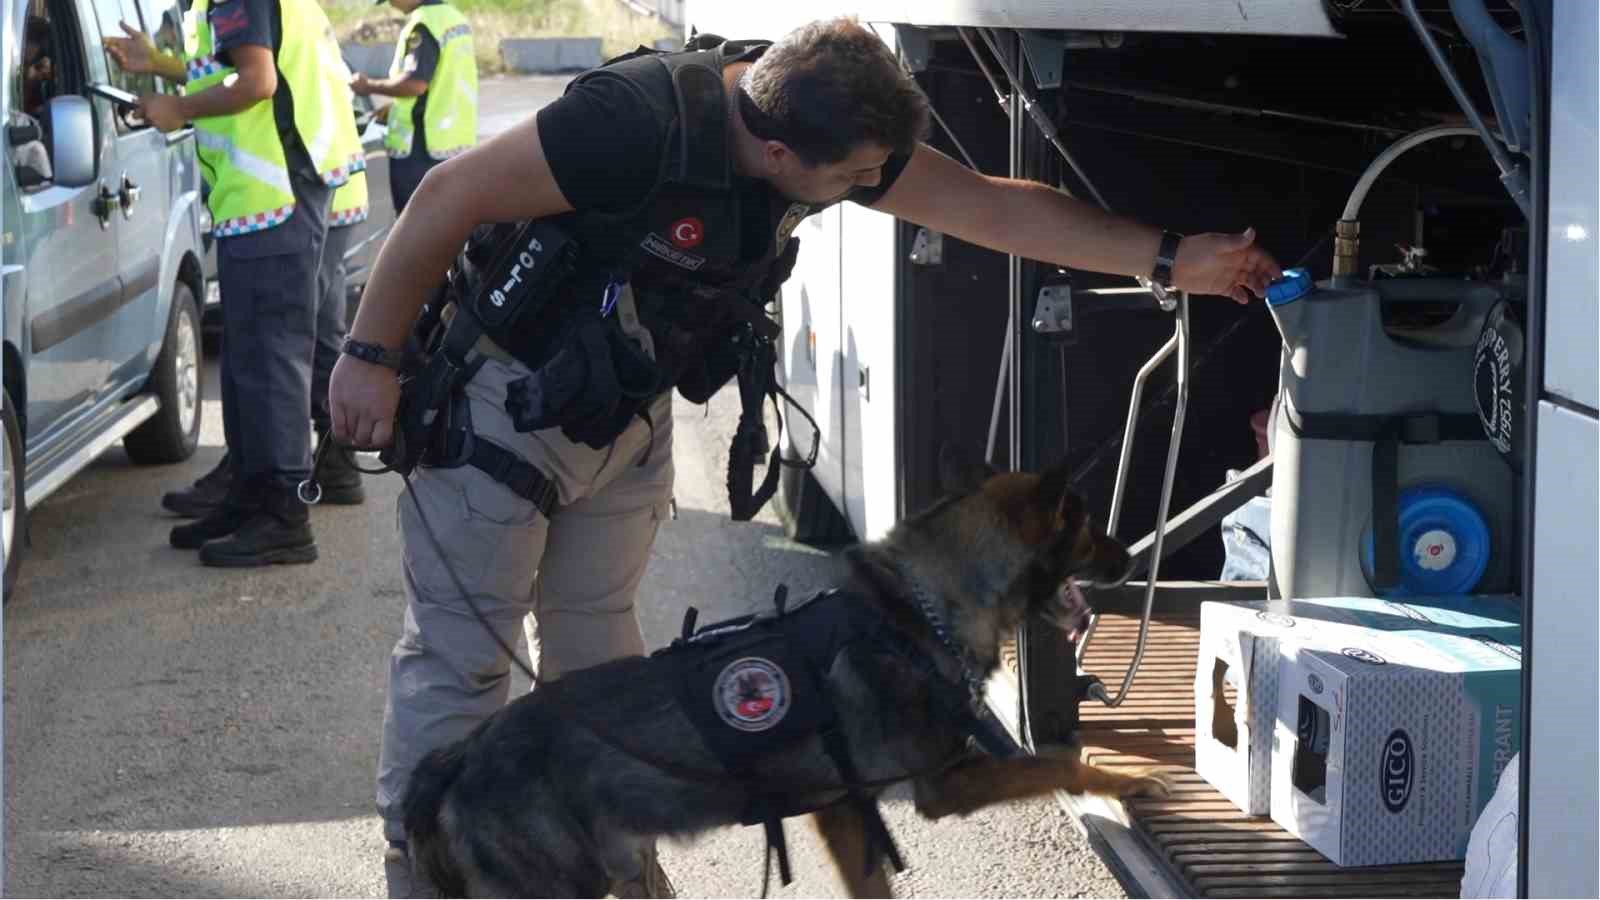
1166	257
371	353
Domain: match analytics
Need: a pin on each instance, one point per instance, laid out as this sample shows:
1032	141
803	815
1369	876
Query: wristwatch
1166	256
371	353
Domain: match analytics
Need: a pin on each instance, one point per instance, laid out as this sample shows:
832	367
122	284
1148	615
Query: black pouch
591	389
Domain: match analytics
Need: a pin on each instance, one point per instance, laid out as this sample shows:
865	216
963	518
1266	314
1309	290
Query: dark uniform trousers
270	300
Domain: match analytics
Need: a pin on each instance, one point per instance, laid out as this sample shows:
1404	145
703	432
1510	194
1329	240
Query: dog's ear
1055	493
958	474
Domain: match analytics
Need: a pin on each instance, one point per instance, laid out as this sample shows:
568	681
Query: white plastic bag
1492	850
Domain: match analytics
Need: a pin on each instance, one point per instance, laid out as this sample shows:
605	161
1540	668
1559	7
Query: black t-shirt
605	149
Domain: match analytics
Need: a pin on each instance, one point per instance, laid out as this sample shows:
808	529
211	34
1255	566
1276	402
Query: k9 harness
609	311
757	685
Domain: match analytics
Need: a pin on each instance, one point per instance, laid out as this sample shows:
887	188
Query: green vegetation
618	27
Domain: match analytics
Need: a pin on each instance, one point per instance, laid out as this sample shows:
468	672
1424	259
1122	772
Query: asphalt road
173	730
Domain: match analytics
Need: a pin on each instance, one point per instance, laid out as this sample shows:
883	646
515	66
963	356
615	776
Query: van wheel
12	494
172	434
808	515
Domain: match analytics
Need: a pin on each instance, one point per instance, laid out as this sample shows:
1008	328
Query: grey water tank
1340	358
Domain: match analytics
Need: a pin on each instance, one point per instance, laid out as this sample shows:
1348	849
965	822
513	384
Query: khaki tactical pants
571	580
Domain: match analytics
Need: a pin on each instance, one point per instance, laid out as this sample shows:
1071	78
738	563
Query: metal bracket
927	249
1046	57
1052	312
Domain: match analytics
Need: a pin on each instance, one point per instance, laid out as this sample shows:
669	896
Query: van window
148	16
52	64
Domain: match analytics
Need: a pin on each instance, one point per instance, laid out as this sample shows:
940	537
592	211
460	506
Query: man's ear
958	474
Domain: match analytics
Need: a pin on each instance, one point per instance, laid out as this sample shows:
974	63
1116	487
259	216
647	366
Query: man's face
823	184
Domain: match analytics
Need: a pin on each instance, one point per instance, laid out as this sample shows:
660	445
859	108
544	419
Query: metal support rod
999	394
1145	372
1017	315
1181	336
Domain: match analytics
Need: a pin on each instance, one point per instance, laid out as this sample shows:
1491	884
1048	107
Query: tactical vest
242	155
450	117
693	284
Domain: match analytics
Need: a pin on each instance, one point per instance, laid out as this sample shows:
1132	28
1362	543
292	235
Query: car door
70	234
139	170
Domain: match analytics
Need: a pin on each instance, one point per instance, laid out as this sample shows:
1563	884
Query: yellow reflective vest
241	155
450	117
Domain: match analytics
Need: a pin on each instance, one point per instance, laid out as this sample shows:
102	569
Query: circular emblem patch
751	694
687	234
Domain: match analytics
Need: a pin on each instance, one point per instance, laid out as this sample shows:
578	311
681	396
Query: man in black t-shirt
825	114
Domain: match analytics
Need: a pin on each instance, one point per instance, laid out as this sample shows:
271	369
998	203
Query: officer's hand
136	53
1230	265
362	399
360	86
164	111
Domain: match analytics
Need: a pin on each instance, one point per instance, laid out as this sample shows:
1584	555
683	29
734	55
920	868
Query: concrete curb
550	55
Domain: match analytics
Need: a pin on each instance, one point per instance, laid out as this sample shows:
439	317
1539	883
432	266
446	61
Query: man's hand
164	111
1226	264
362	399
136	53
360	85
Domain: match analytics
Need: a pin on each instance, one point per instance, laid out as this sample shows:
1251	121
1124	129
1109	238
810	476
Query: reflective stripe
348	217
258	222
203	66
262	170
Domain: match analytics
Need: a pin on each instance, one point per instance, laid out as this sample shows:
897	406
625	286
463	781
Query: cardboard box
1238	664
1385	751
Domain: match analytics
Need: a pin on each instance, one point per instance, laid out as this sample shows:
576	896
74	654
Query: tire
172	434
808	515
14	496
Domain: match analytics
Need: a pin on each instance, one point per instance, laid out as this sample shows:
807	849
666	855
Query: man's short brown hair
829	87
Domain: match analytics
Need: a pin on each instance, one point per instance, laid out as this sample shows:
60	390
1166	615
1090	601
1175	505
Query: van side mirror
72	141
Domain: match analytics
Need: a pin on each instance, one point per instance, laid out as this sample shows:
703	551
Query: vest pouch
710	370
633	381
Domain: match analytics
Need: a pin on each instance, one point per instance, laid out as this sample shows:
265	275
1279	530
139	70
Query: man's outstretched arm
1036	221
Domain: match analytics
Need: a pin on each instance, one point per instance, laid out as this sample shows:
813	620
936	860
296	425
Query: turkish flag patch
687	234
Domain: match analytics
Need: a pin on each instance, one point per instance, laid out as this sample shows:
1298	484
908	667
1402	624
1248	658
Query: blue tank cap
1294	284
1444	543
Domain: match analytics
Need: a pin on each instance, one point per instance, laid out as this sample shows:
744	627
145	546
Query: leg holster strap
523	479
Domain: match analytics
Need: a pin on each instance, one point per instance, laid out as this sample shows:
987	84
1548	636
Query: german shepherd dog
536	803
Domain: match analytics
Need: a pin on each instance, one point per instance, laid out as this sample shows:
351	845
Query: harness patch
751	694
657	246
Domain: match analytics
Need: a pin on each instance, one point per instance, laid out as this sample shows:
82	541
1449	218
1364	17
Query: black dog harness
756	685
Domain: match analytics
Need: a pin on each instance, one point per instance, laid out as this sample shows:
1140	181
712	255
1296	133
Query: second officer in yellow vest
269	100
434	82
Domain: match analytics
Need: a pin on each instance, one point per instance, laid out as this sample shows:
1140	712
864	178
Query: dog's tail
427	840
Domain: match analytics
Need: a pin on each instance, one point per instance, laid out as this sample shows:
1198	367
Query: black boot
278	531
337	475
204	496
230	514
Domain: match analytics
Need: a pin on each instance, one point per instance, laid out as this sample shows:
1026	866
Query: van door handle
129	196
104	203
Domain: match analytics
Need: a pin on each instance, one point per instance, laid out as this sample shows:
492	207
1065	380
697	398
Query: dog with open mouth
562	792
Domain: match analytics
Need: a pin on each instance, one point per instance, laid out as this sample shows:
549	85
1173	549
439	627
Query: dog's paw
1148	787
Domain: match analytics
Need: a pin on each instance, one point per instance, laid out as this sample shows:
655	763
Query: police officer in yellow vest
434	82
268	97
